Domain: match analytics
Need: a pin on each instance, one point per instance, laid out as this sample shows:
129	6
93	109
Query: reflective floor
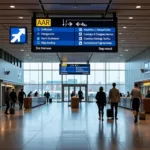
55	126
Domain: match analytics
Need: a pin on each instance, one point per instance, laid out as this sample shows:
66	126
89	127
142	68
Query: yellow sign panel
64	65
146	84
43	22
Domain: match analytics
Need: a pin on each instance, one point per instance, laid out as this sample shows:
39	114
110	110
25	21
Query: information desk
31	102
75	102
125	103
146	105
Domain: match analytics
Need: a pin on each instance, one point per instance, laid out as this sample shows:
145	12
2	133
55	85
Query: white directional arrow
17	36
78	24
70	23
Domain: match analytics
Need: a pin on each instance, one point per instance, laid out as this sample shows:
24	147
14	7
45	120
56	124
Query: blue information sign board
83	69
74	35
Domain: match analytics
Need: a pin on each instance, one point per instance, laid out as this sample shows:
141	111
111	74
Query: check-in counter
31	102
125	103
75	102
146	102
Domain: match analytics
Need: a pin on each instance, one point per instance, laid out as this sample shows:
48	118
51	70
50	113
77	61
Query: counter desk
146	106
125	103
31	102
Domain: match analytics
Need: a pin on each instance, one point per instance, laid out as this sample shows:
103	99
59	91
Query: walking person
47	96
7	101
21	96
136	97
101	102
114	99
80	94
13	98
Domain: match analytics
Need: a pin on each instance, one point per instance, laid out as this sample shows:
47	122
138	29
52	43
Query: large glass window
56	77
99	66
47	66
45	77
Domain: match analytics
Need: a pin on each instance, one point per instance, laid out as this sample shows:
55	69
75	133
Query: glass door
68	89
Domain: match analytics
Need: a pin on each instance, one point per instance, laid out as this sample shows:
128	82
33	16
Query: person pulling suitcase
114	99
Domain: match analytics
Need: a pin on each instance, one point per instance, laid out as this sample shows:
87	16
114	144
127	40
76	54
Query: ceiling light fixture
124	27
12	6
20	17
120	33
130	17
22	50
138	7
126	50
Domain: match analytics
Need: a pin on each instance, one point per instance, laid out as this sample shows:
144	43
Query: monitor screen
74	69
74	35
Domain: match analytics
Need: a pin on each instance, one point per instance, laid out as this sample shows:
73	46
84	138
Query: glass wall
43	77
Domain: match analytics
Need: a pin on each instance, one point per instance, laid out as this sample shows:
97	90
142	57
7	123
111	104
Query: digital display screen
74	35
66	69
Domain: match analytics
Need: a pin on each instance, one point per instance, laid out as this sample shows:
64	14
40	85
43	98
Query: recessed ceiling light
120	33
22	50
124	27
130	17
12	6
20	17
138	6
126	50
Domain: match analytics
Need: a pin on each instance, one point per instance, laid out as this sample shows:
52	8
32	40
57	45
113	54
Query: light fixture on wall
6	72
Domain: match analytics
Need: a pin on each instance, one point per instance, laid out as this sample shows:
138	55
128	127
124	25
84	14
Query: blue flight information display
82	69
74	35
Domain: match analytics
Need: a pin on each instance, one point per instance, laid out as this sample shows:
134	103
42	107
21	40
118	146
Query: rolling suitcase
50	100
12	111
142	112
109	113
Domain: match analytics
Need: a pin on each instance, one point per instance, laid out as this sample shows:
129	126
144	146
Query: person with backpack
101	102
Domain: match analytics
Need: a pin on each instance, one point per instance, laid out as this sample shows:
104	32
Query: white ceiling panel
131	41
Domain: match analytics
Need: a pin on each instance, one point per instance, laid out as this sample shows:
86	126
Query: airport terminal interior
59	53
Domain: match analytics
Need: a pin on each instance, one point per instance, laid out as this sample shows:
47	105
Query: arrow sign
70	23
78	24
18	35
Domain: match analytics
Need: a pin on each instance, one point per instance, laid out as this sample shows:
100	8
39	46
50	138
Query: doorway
68	88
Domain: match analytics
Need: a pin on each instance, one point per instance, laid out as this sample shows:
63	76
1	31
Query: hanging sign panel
74	35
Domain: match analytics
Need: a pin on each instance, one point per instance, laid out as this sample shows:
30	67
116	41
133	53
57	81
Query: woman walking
101	102
136	97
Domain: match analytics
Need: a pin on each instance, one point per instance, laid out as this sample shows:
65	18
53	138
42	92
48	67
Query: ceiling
132	40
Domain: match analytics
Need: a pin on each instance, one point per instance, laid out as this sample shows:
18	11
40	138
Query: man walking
20	98
7	101
114	99
13	98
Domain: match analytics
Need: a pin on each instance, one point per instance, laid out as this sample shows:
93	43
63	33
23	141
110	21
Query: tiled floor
57	127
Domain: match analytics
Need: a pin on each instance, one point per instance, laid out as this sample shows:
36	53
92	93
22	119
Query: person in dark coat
80	94
72	94
36	94
30	94
7	100
21	96
13	98
101	102
47	96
